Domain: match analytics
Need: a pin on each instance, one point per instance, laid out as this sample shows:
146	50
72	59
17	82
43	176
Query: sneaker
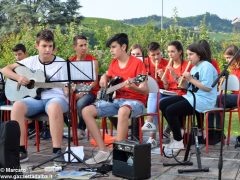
148	126
23	156
31	133
101	156
173	148
152	141
58	159
166	132
45	134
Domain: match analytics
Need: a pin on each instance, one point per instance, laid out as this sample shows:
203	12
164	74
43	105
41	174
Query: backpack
3	98
9	146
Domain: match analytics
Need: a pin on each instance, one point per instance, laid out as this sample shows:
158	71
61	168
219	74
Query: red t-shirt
215	64
134	67
172	83
150	67
236	72
88	57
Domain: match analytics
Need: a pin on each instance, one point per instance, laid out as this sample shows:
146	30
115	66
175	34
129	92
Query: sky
127	9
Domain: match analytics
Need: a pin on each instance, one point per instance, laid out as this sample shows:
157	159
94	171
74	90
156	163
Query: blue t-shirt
206	74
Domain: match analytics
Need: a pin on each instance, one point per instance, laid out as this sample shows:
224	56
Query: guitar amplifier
131	160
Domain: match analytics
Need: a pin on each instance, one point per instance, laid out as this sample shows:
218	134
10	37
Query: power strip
53	168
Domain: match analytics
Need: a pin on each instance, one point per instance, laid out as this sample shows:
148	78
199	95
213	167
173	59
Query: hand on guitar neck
107	93
129	84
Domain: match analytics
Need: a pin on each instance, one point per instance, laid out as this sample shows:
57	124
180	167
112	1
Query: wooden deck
231	166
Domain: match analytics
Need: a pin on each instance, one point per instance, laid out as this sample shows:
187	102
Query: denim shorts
105	109
35	106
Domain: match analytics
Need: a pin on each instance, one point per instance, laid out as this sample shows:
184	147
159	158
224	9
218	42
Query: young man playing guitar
52	101
129	101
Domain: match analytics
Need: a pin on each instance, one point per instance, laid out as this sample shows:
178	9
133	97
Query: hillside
101	22
213	22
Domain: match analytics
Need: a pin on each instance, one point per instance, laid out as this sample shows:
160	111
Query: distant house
236	24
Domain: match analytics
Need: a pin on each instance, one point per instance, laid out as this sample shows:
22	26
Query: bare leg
18	114
122	127
55	115
89	113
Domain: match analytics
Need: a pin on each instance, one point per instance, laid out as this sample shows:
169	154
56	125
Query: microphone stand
192	135
226	74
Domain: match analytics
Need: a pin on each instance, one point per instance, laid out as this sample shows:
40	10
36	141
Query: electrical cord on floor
101	171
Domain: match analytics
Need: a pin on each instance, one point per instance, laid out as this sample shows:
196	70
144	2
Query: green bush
98	31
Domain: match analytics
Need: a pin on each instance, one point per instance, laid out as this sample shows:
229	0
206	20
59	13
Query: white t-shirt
206	74
54	71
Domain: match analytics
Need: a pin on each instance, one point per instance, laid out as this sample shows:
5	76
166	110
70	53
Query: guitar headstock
140	78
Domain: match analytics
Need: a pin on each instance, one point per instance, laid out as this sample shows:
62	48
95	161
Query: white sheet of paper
78	150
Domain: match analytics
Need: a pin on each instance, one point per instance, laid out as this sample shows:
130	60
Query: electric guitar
15	92
107	93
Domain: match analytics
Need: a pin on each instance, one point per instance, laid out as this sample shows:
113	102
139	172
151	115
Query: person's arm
195	82
142	88
163	79
103	80
9	73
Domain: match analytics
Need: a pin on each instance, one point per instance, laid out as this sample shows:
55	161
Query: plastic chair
233	85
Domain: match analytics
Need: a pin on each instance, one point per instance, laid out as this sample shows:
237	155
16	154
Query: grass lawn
235	130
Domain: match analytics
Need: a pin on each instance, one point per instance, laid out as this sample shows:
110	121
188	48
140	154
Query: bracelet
165	83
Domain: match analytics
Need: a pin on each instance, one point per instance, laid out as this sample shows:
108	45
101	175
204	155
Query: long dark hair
179	47
206	46
199	50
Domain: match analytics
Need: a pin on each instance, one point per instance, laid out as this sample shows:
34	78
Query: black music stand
192	135
224	73
83	71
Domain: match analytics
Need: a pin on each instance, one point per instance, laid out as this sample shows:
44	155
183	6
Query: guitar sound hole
31	84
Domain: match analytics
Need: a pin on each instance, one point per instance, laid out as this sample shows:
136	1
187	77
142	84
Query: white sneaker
173	148
101	156
152	141
148	126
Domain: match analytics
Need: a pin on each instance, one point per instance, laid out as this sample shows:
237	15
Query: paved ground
231	163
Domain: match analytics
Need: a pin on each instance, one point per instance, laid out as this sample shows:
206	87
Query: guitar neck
118	86
49	85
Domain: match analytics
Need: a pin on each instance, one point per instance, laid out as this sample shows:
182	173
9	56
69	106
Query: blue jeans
231	102
106	109
152	104
35	106
81	103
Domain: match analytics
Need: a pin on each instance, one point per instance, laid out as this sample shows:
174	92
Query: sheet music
83	70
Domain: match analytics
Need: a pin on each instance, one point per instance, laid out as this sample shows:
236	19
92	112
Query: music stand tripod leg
69	151
193	134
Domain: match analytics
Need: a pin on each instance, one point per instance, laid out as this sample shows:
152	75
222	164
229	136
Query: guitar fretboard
49	85
118	86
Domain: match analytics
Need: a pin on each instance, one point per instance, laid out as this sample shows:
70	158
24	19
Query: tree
15	13
175	16
203	29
